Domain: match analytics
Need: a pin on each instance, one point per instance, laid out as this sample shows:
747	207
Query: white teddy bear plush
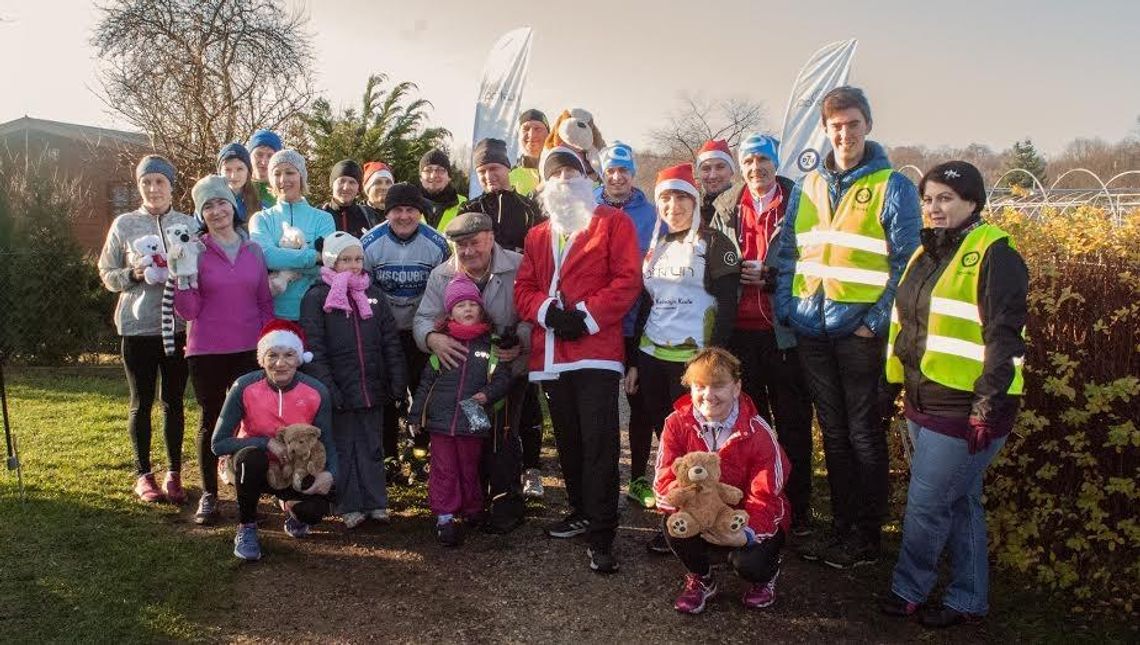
148	253
185	247
291	238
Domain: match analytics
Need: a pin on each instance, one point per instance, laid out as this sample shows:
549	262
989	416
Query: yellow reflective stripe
955	308
842	238
956	347
843	274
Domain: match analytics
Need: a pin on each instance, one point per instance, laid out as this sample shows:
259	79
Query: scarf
345	285
463	332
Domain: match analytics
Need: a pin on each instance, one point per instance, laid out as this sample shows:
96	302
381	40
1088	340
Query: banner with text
500	95
804	145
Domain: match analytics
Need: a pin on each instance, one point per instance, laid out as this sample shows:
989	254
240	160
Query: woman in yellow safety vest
956	345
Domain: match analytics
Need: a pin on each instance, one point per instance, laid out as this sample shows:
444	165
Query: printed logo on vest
730	258
971	258
863	195
808	160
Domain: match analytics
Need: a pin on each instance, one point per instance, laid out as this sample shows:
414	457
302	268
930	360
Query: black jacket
361	362
511	214
436	404
1003	286
438	204
354	219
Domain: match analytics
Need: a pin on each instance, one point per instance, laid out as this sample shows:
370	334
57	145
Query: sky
937	73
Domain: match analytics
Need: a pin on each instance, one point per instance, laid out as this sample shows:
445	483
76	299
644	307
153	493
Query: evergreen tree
1025	156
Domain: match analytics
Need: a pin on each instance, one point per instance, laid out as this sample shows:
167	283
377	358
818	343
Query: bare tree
699	119
196	74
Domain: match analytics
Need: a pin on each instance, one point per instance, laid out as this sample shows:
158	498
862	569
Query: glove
319	247
979	436
566	325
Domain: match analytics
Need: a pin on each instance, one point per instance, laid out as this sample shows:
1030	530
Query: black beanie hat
435	157
405	194
533	115
962	177
346	168
491	151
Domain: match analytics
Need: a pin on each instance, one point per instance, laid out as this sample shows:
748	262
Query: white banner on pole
804	145
500	95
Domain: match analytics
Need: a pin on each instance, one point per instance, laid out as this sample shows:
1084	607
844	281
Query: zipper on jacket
360	358
459	390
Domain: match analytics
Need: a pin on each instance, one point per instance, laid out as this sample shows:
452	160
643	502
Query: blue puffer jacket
644	216
819	317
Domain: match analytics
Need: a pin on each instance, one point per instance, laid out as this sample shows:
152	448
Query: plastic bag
476	416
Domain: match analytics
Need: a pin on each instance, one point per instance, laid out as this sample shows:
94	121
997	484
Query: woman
290	180
256	407
716	417
691	276
235	165
138	321
956	345
225	313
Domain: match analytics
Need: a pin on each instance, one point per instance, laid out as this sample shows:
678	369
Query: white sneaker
352	520
532	483
379	514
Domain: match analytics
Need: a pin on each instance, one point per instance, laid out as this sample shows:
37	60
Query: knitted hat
436	157
282	333
489	151
211	187
762	145
234	150
553	159
334	244
154	163
263	137
374	170
405	194
345	168
717	149
293	158
618	155
533	115
459	289
962	177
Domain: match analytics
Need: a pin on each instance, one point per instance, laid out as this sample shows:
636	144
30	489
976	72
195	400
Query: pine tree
1024	155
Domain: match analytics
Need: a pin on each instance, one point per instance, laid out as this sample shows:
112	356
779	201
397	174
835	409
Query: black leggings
758	563
144	361
249	466
530	427
658	386
212	375
415	360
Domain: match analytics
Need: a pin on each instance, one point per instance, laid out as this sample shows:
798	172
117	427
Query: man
400	255
715	170
378	179
512	215
847	236
618	172
261	145
579	276
435	182
533	130
750	214
493	270
352	218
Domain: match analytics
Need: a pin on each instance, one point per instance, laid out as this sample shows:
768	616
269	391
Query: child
454	487
357	356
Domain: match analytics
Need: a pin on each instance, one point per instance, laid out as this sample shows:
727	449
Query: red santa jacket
599	274
750	460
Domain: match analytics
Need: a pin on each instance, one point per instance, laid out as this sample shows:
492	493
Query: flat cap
466	224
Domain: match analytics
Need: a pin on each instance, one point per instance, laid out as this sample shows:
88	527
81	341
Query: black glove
509	338
567	325
319	247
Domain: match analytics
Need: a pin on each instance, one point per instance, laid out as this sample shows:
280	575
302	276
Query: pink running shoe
147	489
698	589
759	595
173	488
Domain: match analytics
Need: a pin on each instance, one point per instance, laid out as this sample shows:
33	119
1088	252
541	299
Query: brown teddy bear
703	503
305	457
575	129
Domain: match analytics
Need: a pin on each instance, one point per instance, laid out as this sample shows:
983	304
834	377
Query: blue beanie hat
619	155
264	137
155	163
760	144
234	150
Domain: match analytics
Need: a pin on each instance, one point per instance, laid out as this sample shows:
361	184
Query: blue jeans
944	510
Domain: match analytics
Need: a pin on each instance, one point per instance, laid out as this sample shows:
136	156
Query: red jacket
750	460
600	275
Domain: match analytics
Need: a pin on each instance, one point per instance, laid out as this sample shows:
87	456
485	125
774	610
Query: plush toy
305	458
291	238
148	253
575	129
185	247
703	503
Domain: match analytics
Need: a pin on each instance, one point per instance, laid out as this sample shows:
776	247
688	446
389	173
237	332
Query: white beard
569	203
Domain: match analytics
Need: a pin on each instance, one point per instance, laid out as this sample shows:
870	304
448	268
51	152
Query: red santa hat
679	177
375	170
716	149
282	333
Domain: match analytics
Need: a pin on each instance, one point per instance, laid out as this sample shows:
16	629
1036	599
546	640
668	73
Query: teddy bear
575	129
703	502
291	238
305	458
185	247
148	253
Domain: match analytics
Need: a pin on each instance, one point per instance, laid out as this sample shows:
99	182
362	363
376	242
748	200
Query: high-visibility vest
846	250
955	350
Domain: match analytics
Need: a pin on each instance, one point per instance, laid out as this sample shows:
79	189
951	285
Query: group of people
728	308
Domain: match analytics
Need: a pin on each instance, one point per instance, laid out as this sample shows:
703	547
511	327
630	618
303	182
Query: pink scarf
344	285
466	332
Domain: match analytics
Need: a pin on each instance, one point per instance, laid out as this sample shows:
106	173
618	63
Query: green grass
81	558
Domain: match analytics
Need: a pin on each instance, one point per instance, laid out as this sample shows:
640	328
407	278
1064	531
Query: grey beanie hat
211	187
291	157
